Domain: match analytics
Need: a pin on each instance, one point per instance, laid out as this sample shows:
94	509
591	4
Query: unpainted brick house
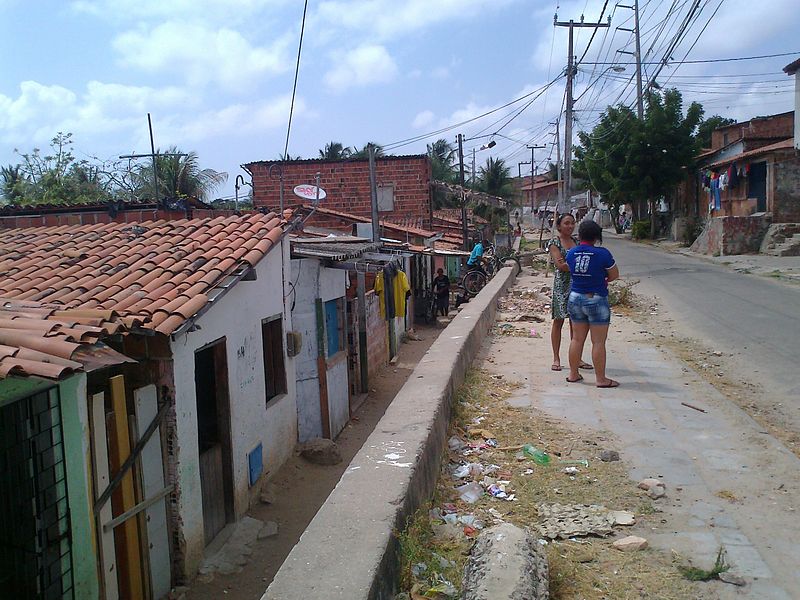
404	186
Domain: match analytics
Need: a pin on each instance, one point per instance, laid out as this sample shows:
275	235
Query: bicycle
474	279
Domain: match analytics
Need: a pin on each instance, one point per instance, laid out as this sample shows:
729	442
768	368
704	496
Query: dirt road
729	482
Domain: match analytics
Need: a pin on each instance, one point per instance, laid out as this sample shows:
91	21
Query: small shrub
692	231
640	230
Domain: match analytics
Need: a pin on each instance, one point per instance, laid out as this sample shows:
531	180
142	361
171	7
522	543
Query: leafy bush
640	230
692	230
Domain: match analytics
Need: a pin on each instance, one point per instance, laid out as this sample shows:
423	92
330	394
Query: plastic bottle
540	457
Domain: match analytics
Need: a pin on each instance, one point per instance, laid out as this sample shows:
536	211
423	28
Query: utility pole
373	192
519	167
533	148
571	69
637	55
464	231
639	93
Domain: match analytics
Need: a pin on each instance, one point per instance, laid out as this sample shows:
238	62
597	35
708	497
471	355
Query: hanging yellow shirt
401	288
378	287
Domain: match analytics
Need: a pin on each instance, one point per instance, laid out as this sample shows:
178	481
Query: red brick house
404	185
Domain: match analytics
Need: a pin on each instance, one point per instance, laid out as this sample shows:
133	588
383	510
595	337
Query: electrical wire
296	73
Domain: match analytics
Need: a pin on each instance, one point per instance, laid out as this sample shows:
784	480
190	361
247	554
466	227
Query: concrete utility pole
558	166
373	192
637	55
571	69
519	167
533	175
464	231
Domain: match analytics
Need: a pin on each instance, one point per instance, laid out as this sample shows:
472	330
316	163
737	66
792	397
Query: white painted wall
796	112
237	318
311	281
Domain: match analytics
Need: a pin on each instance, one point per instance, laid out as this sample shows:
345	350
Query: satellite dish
309	192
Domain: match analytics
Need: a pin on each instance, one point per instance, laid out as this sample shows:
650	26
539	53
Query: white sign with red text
309	192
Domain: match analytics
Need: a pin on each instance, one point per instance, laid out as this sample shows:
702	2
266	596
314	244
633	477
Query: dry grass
588	568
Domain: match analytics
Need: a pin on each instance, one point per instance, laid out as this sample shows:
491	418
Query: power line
296	73
711	60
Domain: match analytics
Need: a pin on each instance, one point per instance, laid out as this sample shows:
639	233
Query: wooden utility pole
571	69
533	149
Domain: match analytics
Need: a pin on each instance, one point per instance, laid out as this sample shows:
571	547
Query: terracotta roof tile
154	274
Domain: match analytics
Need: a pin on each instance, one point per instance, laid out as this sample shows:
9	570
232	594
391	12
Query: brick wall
775	126
347	185
786	194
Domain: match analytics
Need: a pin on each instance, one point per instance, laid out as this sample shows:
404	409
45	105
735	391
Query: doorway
757	180
214	437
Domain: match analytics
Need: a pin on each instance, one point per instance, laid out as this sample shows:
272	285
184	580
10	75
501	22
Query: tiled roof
392	226
162	272
50	341
784	145
454	215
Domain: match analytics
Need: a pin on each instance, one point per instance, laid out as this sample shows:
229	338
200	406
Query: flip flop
555	367
586	366
611	384
580	378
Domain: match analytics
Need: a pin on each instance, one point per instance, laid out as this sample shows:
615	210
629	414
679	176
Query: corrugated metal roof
332	250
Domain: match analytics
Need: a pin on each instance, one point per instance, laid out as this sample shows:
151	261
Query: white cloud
214	11
41	110
423	119
201	54
362	66
238	119
387	19
440	73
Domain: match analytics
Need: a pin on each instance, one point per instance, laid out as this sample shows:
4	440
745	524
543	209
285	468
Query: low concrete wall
349	550
724	236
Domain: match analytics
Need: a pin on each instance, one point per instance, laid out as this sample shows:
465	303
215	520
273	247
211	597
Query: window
386	198
724	139
274	369
334	326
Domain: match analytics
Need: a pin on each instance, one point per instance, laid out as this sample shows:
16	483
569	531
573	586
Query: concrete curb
349	549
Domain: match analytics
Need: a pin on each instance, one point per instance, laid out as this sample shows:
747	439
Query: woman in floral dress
558	247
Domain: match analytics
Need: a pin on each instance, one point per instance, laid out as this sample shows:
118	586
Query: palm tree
443	156
335	151
11	180
364	152
495	178
179	176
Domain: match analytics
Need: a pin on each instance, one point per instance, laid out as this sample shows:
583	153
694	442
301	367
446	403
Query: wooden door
214	442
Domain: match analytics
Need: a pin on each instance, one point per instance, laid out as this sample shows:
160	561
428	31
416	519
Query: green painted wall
75	419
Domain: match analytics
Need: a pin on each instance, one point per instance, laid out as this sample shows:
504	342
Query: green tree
12	183
443	158
56	178
495	178
363	153
179	176
707	126
335	151
628	160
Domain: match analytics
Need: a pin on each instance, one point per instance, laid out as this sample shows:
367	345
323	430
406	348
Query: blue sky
217	75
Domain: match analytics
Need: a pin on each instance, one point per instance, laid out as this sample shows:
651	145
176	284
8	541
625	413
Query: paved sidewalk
728	483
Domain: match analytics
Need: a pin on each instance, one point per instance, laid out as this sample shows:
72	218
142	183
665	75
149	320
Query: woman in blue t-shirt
591	268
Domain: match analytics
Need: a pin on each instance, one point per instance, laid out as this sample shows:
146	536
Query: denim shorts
584	309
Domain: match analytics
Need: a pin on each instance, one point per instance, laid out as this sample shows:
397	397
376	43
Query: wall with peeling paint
237	317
